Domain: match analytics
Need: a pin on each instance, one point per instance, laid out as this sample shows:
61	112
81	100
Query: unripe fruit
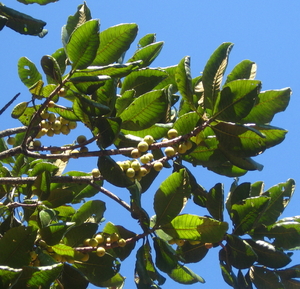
143	146
33	255
57	257
86	242
157	166
69	259
84	150
172	242
62	92
51	103
44	114
51	117
122	242
150	156
188	144
136	165
99	238
142	172
114	237
130	173
179	242
95	173
11	140
182	148
169	151
149	139
74	153
172	133
44	124
36	262
100	252
135	153
72	124
63	120
56	125
194	242
85	257
125	165
65	129
144	159
93	242
36	143
81	139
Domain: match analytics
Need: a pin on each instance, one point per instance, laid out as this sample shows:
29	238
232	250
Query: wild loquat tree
156	119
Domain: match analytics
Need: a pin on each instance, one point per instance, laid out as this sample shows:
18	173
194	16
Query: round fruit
44	114
157	166
72	124
135	153
81	139
56	125
143	146
142	172
51	103
85	257
84	150
33	255
145	159
188	144
122	242
169	151
99	238
65	129
150	156
93	242
149	139
179	242
136	165
100	252
51	117
114	237
172	133
37	143
95	173
194	242
130	173
125	165
62	92
86	242
57	257
11	140
182	148
208	245
108	240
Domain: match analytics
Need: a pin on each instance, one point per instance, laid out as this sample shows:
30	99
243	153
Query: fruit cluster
103	241
52	124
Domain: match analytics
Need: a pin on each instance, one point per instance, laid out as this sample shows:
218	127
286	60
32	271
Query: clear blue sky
266	32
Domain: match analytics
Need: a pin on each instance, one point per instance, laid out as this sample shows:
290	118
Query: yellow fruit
143	146
65	129
99	238
122	242
85	257
114	237
100	252
172	242
144	159
169	151
86	242
81	139
179	242
63	120
44	114
149	139
51	103
136	165
11	140
93	242
172	133
108	240
72	124
62	92
150	156
142	172
95	173
56	125
135	153
194	242
51	117
69	259
157	166
33	255
125	165
57	257
130	173
188	144
182	148
36	143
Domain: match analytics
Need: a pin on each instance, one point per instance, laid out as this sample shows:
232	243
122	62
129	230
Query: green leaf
112	172
239	253
61	58
268	104
38	277
23	23
246	69
19	109
114	42
43	167
28	72
98	269
143	81
51	68
83	44
187	123
41	2
53	233
15	246
147	40
89	84
215	201
107	128
184	275
227	274
147	53
8	275
237	194
192	253
247	213
192	227
236	100
145	111
264	278
72	278
280	196
247	140
87	191
59	197
166	259
183	80
213	74
171	197
94	209
77	234
268	255
116	282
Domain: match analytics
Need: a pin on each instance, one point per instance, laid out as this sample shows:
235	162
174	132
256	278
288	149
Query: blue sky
266	32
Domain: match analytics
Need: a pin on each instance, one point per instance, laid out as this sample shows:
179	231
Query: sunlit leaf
147	39
83	44
53	233
19	109
51	68
246	69
264	278
184	275
28	72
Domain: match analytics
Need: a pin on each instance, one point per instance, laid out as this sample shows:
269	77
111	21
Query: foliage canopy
155	118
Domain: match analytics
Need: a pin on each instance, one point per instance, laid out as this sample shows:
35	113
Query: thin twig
5	107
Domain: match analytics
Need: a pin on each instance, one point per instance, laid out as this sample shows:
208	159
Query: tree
130	108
